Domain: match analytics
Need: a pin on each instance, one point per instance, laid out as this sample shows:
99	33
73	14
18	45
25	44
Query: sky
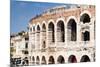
22	11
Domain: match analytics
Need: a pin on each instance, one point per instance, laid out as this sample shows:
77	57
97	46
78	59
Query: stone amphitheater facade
62	36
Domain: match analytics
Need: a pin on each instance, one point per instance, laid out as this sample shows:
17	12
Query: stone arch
86	36
37	60
85	17
38	25
51	32
60	31
33	59
51	60
43	60
43	33
44	27
30	29
72	30
33	28
61	59
38	29
72	59
87	12
85	58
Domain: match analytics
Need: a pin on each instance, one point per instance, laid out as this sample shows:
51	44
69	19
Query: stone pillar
55	26
40	43
78	33
47	36
92	32
66	35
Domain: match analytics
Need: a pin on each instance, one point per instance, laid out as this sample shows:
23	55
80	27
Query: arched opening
72	59
33	59
85	58
33	28
86	36
85	18
43	60
72	30
43	28
37	60
61	59
60	31
51	36
43	36
51	60
30	29
38	37
38	29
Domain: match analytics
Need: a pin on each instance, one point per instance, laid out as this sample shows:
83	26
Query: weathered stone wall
67	48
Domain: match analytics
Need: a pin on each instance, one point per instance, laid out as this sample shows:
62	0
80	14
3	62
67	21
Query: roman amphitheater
62	35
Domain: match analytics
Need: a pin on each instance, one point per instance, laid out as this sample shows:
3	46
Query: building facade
62	35
19	48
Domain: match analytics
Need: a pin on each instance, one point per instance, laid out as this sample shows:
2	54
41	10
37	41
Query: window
86	36
26	45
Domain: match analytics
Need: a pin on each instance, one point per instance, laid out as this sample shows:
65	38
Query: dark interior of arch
85	18
51	60
37	60
72	59
85	58
86	36
33	59
33	28
38	29
72	26
61	59
44	28
51	28
43	60
60	28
